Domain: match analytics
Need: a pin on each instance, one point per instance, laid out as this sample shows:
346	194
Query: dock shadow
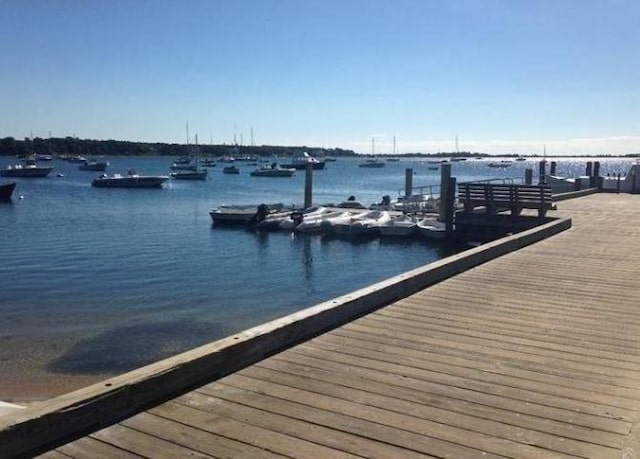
130	347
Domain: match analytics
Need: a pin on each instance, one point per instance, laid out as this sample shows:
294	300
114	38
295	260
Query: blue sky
504	76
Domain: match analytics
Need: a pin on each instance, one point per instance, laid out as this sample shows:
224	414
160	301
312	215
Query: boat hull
130	182
186	175
302	166
26	172
6	190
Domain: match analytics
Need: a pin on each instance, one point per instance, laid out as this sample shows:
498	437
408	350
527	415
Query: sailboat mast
187	133
394	145
373	146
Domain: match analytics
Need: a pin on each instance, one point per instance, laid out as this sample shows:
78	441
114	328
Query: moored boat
200	174
29	170
240	214
93	165
273	171
373	163
398	226
131	180
6	190
431	228
299	162
231	170
364	223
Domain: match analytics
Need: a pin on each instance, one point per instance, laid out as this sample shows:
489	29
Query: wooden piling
552	168
408	182
308	185
542	171
445	175
528	176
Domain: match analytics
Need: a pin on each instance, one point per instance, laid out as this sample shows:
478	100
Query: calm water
100	281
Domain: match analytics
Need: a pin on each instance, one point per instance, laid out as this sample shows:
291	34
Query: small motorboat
364	223
300	162
273	171
231	170
399	226
313	221
197	174
131	180
373	163
93	165
501	164
29	170
240	214
431	228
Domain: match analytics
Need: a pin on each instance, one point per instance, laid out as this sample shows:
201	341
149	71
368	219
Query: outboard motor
261	214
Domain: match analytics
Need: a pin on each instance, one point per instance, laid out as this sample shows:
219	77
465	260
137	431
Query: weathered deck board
532	355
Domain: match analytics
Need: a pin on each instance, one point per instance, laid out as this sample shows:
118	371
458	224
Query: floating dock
526	347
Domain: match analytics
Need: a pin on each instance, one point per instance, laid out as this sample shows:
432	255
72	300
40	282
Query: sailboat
394	158
194	172
374	161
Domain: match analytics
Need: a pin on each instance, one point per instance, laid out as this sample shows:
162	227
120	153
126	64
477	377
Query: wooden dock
535	354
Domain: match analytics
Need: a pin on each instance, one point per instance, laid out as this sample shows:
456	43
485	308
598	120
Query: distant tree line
87	147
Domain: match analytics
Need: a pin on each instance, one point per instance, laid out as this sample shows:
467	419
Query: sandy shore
22	390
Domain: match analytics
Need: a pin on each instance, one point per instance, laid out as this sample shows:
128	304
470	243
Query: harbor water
95	282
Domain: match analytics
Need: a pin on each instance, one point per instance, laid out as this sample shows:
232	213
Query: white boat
399	226
28	170
273	171
330	222
431	228
240	214
131	180
312	221
301	160
365	223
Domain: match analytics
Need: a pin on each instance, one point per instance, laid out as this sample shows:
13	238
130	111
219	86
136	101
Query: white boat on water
318	219
364	223
29	169
301	160
131	180
399	226
26	171
273	171
431	228
240	214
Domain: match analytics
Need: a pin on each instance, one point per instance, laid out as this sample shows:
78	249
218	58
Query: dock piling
528	176
408	182
308	185
445	176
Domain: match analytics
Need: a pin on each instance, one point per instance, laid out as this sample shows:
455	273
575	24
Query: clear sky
504	76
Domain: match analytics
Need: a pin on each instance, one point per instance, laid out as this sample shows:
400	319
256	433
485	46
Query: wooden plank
143	444
190	437
386	429
296	426
411	421
91	448
450	398
241	431
583	412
